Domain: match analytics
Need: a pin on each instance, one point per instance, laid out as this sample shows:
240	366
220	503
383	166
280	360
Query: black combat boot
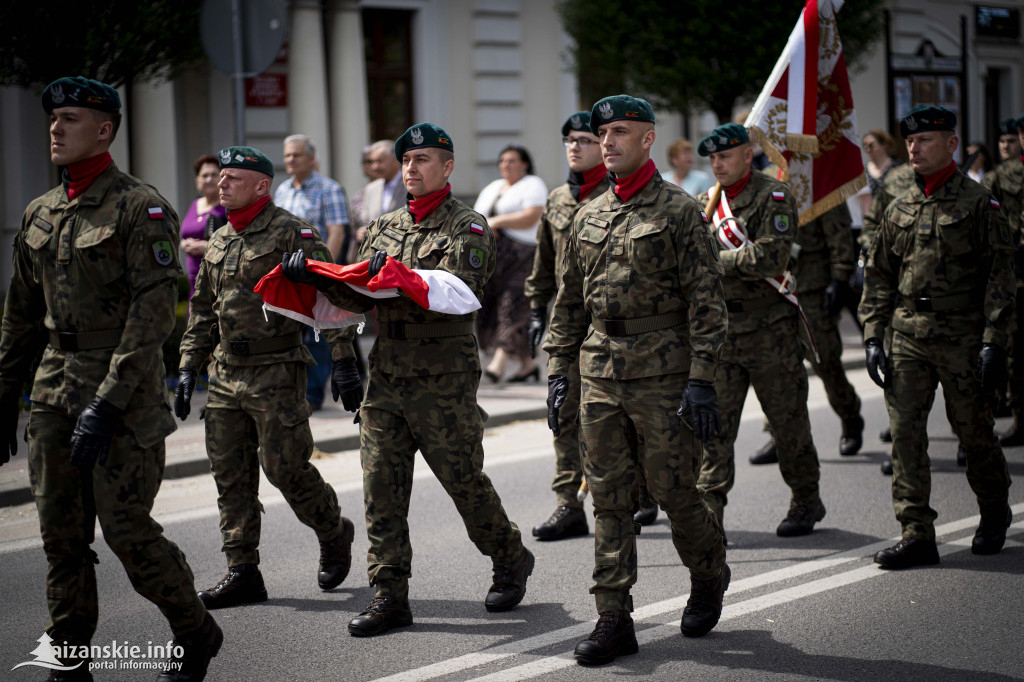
853	436
801	519
243	584
199	647
991	533
383	614
1013	436
961	455
704	607
885	435
648	512
908	552
509	585
614	636
336	557
767	454
565	522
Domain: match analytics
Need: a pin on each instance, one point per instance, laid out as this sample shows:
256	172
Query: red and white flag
435	290
804	118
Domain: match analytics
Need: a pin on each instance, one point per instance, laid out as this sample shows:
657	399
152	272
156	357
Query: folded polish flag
435	290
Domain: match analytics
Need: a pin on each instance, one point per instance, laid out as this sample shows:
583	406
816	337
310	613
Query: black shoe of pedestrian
908	552
613	636
565	522
509	586
198	647
383	614
961	455
801	519
648	512
1012	437
887	467
768	454
336	557
885	435
243	584
991	533
853	436
704	607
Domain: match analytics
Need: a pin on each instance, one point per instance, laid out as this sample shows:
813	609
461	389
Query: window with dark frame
387	41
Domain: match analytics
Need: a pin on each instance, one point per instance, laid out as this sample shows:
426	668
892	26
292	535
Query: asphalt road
799	608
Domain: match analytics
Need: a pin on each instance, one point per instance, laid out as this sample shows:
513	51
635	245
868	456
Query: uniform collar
436	218
648	195
93	195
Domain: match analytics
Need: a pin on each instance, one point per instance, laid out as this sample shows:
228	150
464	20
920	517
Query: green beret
423	135
79	91
1008	127
579	121
249	158
620	108
925	118
723	137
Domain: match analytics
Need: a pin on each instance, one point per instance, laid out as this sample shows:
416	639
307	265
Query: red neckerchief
425	205
582	184
931	183
628	186
241	217
733	190
81	174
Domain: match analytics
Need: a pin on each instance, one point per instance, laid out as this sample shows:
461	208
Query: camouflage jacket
234	262
108	260
770	221
825	251
896	182
1006	183
552	236
954	249
648	256
453	238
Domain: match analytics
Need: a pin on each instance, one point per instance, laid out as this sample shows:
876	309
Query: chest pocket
259	250
38	234
651	248
431	252
101	249
390	241
561	218
904	221
956	230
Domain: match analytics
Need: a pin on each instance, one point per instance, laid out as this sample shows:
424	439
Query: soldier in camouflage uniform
588	178
95	282
763	348
822	260
940	271
1006	183
641	308
256	414
424	374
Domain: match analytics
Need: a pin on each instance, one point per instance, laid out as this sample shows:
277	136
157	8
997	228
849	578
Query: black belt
743	305
639	325
432	330
73	342
937	304
260	346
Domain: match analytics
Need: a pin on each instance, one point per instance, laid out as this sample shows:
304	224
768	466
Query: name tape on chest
155	213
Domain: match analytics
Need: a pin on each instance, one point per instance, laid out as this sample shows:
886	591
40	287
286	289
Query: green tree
114	41
695	53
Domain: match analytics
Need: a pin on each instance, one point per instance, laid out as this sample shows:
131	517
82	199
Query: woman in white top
513	206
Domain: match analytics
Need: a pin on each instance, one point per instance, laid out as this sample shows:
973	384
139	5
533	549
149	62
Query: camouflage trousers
1015	364
630	429
771	360
841	396
439	416
568	466
258	417
120	494
917	367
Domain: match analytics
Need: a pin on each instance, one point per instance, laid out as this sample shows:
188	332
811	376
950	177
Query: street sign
263	24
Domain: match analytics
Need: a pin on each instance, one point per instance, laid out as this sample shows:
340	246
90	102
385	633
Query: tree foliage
114	41
695	53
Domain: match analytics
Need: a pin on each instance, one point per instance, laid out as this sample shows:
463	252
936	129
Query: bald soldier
641	308
940	271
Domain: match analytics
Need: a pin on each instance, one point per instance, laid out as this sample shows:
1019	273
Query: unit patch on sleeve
163	251
476	258
781	222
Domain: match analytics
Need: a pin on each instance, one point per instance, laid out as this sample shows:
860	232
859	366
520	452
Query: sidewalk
333	430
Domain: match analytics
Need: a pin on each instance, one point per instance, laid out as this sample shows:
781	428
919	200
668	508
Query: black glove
345	382
876	361
93	433
294	267
377	262
699	407
183	393
8	429
558	389
535	332
834	293
991	368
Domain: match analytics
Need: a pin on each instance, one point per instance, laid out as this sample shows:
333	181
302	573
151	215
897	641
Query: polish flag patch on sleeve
476	229
306	232
995	202
155	213
778	196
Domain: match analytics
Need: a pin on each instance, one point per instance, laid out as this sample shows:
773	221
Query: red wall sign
267	90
